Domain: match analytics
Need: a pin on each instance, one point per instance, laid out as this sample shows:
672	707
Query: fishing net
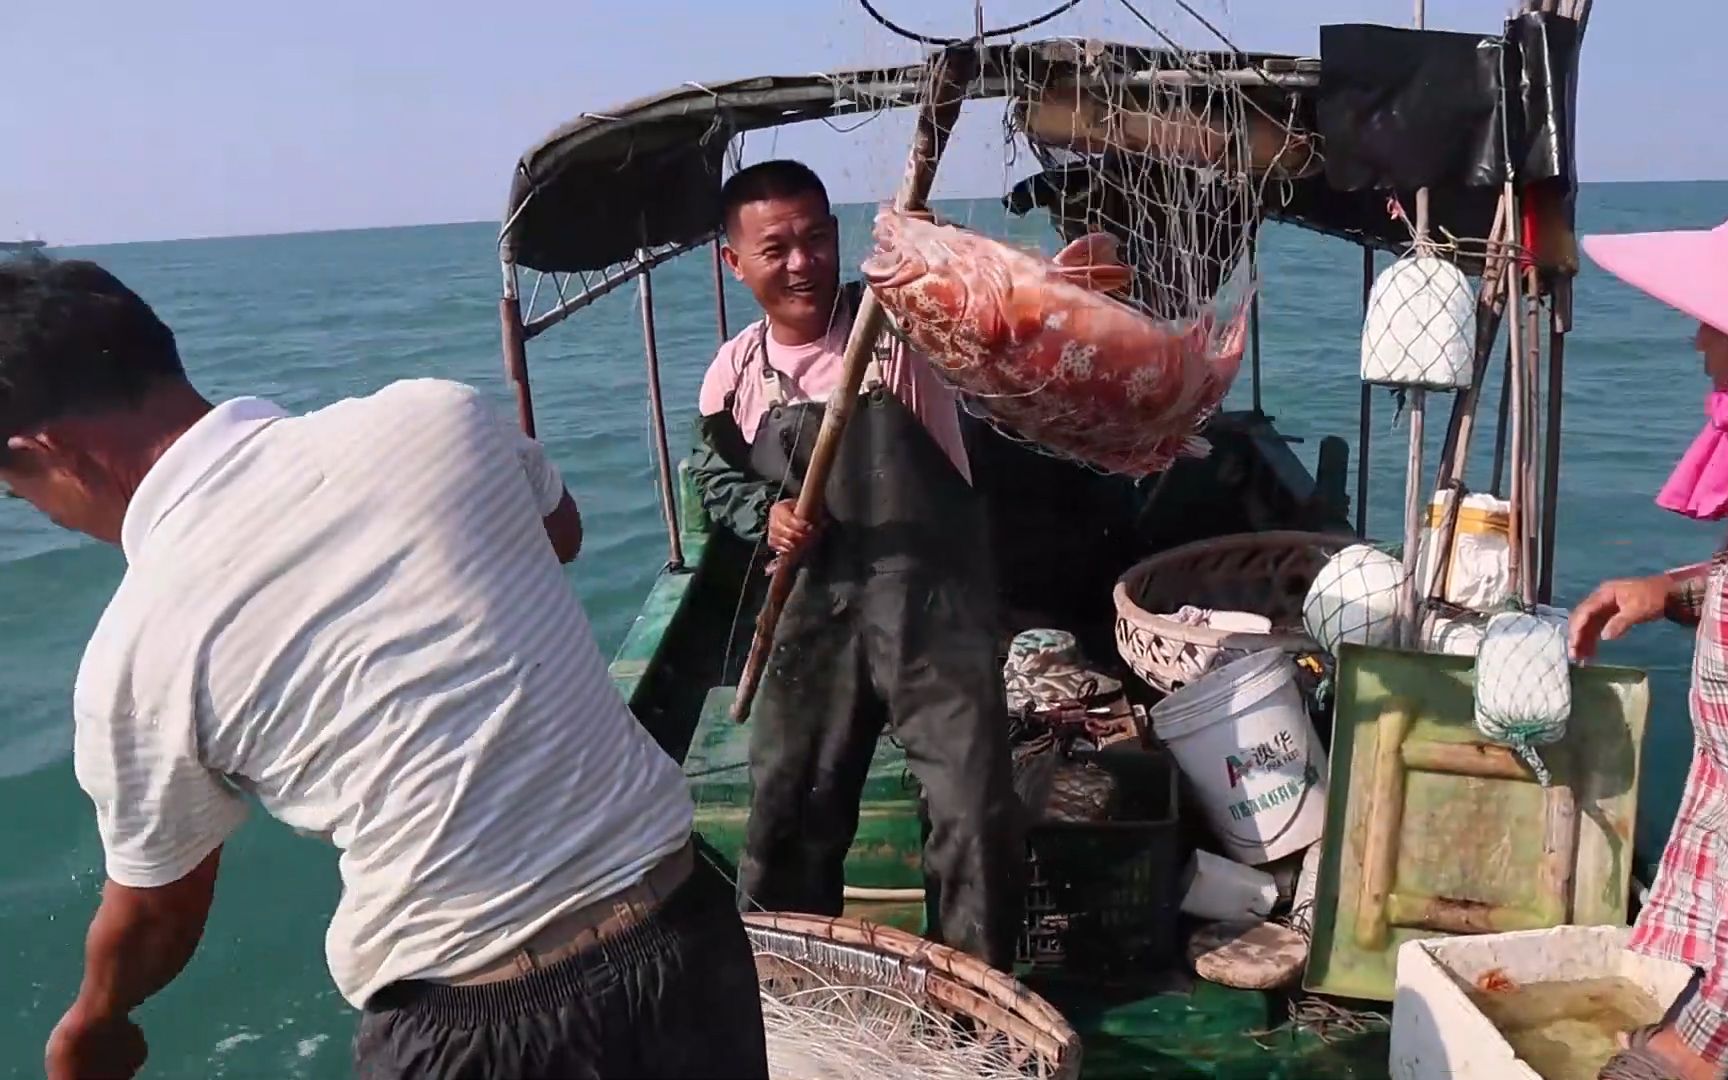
1172	147
849	1001
1356	598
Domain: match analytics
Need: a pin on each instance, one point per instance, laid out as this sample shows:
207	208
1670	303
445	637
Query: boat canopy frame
609	196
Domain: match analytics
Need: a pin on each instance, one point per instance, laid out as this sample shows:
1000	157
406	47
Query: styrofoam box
1436	1031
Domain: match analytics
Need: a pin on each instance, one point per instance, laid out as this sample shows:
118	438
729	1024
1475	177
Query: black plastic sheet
1404	109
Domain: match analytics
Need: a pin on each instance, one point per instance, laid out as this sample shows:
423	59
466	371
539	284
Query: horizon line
340	229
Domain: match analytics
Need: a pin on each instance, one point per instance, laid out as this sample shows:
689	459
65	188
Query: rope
943	42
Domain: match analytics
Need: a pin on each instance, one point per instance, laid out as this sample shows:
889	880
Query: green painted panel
885	854
1477	842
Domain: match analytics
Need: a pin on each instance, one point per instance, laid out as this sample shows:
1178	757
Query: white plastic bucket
1223	890
1242	737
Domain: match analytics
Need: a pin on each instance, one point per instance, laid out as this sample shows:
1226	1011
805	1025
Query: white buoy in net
1420	327
1523	685
1354	598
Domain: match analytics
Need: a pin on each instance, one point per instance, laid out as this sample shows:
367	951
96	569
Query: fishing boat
32	247
616	193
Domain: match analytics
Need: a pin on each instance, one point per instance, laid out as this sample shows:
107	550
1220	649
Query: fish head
899	258
947	288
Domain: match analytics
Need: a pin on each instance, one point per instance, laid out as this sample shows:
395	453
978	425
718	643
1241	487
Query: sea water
1567	1030
311	318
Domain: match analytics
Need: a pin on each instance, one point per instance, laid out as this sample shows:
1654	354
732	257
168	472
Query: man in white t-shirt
357	616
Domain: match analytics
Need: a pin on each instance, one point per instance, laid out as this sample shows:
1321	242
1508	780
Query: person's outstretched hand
1615	607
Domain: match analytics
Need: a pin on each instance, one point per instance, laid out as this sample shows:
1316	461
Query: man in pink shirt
890	621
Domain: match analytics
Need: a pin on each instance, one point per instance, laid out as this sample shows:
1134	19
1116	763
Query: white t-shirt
357	616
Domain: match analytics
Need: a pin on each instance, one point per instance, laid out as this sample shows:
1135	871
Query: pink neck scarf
1699	486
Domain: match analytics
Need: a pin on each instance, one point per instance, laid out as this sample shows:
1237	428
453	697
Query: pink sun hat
1687	269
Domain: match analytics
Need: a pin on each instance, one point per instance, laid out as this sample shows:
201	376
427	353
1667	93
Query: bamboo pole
1532	362
1499	485
1414	489
1455	452
1490	306
944	92
1519	567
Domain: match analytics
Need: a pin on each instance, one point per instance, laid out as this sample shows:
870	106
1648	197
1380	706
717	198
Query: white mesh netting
1117	352
1355	598
1523	684
1420	326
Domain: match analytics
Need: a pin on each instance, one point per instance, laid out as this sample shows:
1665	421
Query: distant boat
32	248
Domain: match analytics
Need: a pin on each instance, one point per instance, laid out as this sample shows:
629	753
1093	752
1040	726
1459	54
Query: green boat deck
679	660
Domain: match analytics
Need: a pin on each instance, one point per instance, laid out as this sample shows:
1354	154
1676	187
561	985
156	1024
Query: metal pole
516	350
720	292
1254	319
1365	410
668	496
1551	462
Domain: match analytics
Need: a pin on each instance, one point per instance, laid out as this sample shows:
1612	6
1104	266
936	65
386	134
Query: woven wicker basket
788	946
1265	573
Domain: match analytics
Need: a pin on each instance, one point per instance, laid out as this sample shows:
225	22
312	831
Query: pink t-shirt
813	371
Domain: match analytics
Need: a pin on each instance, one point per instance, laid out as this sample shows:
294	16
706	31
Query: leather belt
591	924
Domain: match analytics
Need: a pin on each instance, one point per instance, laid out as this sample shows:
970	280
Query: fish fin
1093	262
1195	447
1093	249
1104	279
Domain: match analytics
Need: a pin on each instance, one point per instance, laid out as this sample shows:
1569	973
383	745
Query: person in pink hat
1685	918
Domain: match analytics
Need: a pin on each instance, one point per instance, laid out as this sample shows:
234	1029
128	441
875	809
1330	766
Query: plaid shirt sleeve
1686	587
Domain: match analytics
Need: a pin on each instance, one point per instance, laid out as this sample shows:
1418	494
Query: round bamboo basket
789	946
1264	573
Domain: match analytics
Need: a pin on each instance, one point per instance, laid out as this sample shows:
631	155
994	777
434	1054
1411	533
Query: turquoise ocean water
308	319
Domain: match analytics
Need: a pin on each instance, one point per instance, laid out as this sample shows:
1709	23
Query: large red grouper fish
1040	345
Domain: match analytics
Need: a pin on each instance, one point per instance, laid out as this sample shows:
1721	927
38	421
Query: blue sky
175	118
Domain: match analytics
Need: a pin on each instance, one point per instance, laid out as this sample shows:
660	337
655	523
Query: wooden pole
1455	452
1519	568
944	92
1499	486
1532	363
1490	306
1414	488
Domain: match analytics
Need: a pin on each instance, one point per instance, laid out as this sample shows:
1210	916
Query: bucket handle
1295	811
